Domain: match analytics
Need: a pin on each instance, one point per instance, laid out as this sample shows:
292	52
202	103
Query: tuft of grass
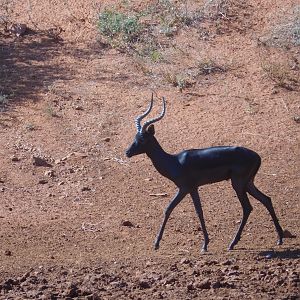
30	127
281	75
50	111
3	101
141	65
119	28
156	56
215	9
180	81
207	67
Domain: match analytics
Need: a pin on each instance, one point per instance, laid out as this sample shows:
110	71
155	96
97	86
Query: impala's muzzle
128	153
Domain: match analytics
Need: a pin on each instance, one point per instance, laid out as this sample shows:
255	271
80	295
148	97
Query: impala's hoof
280	242
203	250
230	247
156	247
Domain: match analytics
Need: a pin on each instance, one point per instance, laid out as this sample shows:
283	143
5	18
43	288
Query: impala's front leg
197	204
179	196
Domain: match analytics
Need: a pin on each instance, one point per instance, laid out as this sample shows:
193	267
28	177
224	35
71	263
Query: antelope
193	168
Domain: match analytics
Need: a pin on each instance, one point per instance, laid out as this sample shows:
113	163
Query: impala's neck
155	152
161	160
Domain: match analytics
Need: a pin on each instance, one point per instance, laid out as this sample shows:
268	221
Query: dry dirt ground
82	226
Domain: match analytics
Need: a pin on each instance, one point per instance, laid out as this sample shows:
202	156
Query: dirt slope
83	226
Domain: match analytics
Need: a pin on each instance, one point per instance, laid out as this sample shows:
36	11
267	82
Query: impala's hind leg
266	201
240	190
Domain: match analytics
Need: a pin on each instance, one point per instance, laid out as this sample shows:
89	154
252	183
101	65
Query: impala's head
145	133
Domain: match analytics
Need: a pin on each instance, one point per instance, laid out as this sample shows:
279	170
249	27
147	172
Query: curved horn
142	116
155	119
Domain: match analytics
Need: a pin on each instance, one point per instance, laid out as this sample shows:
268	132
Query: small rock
40	162
118	284
274	92
49	173
297	119
78	107
15	158
72	291
8	284
233	273
18	29
143	284
227	263
216	285
2	189
42	181
185	261
203	285
107	139
7	253
127	223
190	287
24	277
85	189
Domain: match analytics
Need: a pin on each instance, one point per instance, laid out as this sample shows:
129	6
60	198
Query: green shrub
116	25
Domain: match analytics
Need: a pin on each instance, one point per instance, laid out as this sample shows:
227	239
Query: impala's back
203	166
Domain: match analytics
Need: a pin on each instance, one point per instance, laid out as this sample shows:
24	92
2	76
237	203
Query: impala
196	167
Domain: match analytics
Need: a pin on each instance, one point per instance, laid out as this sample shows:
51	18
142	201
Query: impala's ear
151	129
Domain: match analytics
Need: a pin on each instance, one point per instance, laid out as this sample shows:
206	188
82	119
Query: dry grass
286	33
282	75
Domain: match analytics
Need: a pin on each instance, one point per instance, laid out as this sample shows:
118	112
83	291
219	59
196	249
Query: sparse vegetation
281	75
5	12
124	29
285	34
148	35
215	9
118	27
30	127
209	66
50	111
181	81
3	101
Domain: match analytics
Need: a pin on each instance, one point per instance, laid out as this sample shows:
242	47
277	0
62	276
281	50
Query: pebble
15	158
42	181
127	223
185	261
203	285
85	189
143	284
40	162
49	173
297	119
